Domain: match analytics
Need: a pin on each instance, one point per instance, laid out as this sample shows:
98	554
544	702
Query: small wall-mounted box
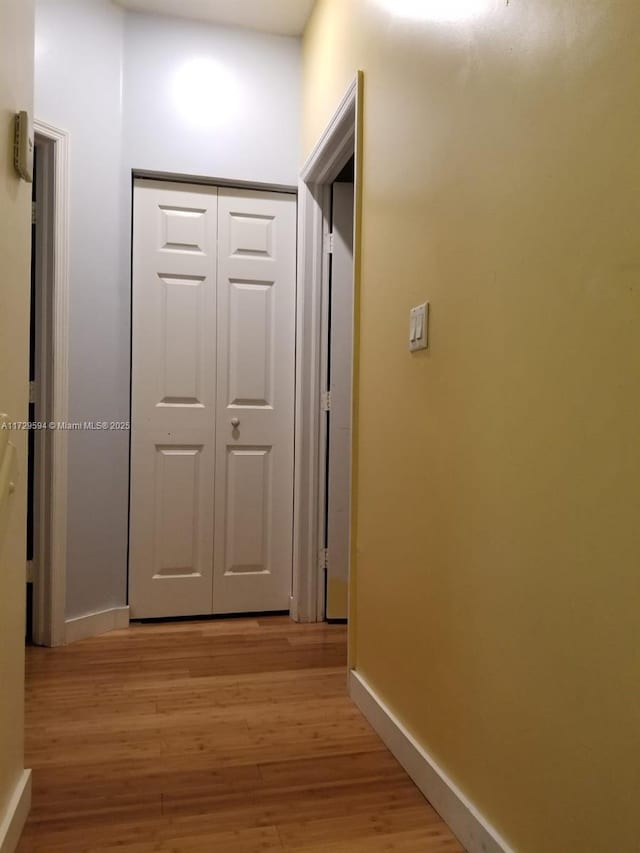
419	327
23	146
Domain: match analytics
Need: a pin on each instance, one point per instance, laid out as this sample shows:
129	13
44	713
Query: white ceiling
284	17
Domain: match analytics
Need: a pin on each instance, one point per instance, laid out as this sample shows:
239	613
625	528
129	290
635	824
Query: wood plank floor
233	736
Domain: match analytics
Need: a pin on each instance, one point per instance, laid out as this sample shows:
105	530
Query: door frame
50	485
341	139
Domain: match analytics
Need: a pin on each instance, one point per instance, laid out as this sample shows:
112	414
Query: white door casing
341	371
173	399
256	389
213	340
340	140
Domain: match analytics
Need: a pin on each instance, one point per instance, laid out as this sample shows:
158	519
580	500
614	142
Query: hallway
234	736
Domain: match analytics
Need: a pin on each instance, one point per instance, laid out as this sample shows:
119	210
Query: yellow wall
16	92
498	492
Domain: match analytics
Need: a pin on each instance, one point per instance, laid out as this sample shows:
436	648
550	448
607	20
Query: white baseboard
94	624
473	831
12	824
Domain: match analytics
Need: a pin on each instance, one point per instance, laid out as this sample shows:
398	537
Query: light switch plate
23	146
419	327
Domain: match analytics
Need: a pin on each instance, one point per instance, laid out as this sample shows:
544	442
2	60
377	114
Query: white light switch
413	329
419	327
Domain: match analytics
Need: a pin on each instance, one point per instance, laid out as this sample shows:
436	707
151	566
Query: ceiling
284	17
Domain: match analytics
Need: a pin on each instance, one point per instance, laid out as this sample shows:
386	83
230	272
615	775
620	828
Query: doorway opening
40	358
338	395
31	437
48	382
328	240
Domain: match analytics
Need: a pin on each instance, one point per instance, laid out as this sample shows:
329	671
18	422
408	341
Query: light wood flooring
232	736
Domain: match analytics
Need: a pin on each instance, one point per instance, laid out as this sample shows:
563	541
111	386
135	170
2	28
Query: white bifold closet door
213	352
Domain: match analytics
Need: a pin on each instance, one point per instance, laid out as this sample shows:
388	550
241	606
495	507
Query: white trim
321	487
15	817
472	829
49	593
211	181
308	390
332	151
337	142
94	624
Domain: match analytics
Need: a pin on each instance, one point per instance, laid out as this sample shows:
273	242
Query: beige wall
16	92
498	494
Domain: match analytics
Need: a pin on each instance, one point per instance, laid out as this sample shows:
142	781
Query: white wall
108	77
79	45
211	101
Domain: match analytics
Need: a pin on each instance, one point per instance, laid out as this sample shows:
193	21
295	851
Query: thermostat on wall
23	146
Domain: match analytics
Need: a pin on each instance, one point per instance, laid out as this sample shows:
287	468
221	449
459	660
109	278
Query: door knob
235	422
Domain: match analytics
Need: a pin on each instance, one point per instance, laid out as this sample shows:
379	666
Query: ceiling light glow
437	11
205	93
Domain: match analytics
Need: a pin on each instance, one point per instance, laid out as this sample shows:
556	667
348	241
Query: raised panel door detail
182	229
248	510
250	354
177	515
173	396
213	363
251	235
255	401
183	324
